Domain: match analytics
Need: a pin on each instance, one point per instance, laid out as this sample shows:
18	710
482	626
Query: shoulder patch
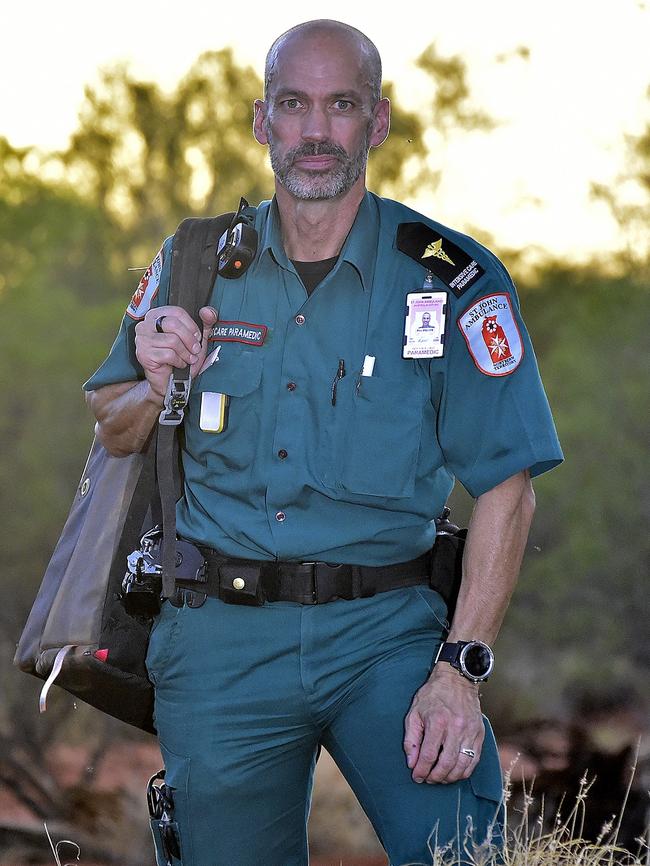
147	290
438	254
492	335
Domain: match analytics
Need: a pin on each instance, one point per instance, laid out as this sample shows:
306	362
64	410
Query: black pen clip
340	373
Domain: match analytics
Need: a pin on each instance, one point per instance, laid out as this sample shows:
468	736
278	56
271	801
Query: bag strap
194	270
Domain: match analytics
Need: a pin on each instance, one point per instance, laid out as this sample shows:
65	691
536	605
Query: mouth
322	162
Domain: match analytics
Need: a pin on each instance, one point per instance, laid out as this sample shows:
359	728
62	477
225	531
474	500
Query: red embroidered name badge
239	332
492	335
147	290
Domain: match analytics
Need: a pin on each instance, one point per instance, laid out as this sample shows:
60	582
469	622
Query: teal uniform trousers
245	698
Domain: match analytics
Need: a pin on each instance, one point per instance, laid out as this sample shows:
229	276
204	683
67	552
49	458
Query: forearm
126	414
495	545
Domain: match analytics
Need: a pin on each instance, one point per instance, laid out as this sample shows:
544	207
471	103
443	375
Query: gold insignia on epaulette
435	249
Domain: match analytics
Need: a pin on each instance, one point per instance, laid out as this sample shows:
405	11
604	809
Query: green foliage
628	199
398	169
451	103
52	331
581	605
149	158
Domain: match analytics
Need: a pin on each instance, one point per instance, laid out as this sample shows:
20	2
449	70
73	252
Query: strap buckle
334	581
176	397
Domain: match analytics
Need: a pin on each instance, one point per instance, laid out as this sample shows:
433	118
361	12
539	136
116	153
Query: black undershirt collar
313	273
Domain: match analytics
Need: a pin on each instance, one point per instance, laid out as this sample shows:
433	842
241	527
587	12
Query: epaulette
431	249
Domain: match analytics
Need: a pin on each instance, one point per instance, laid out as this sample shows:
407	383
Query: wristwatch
473	659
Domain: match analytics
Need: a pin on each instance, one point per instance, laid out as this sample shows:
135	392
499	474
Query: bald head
336	32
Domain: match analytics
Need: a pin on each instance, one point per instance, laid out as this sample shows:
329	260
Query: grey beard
319	185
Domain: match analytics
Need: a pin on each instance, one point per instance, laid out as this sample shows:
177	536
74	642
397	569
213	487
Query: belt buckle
314	582
331	581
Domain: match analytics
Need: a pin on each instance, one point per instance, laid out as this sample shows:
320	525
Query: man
334	450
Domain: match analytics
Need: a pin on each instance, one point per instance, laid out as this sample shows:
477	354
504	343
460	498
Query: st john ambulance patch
147	289
492	335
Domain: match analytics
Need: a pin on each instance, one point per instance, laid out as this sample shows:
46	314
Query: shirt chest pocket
375	436
231	386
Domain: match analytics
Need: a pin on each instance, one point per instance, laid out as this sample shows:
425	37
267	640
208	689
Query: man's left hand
445	717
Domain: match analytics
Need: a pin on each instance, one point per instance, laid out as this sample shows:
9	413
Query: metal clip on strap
176	397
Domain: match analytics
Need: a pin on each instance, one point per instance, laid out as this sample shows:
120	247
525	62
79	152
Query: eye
343	104
292	104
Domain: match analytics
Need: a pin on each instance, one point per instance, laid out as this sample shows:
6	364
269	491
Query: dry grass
530	843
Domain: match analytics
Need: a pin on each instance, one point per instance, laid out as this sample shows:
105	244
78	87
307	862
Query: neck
316	230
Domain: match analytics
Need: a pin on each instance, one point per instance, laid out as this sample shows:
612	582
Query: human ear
381	122
259	121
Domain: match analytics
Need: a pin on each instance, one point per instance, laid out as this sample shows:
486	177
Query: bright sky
563	112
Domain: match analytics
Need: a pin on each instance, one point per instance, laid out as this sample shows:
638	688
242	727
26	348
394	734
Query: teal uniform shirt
358	478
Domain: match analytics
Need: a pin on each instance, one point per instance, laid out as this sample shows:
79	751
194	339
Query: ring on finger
159	326
469	752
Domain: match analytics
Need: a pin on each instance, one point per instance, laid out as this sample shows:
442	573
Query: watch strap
450	652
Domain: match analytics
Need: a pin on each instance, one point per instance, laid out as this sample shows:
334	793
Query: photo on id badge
424	327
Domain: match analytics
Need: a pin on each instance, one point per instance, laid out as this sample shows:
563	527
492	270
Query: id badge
424	327
214	412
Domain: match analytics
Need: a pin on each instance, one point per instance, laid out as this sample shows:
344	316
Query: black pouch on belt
239	584
447	560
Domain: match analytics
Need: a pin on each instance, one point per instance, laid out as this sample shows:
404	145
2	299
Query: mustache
317	148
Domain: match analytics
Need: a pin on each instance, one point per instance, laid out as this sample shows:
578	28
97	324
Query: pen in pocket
340	373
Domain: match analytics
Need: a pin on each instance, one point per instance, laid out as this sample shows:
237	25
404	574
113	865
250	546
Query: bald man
320	487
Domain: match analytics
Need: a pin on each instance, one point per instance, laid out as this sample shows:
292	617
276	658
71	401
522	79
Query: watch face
477	659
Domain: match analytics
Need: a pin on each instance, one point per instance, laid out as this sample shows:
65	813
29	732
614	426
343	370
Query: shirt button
282	453
291	386
300	319
280	516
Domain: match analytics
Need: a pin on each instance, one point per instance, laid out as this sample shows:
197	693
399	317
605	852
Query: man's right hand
180	344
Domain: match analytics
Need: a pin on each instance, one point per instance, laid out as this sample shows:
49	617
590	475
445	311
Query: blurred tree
581	607
628	198
55	322
399	168
148	158
451	105
55	270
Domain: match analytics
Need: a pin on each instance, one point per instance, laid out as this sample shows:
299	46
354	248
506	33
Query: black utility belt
253	581
202	572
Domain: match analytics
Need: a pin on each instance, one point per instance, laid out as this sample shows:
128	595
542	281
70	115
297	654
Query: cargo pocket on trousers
376	439
486	784
434	603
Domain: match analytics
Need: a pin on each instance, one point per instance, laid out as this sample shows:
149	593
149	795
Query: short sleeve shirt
315	465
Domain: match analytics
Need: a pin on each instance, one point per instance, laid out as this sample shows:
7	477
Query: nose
316	126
